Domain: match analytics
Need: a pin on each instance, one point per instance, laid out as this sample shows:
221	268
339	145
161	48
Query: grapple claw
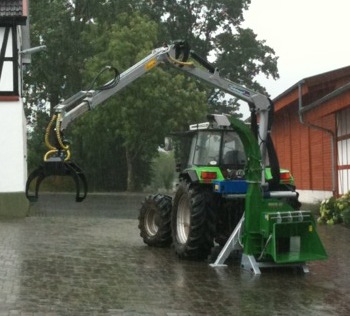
39	174
57	167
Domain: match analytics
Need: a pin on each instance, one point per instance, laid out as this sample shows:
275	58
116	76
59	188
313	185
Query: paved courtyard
87	258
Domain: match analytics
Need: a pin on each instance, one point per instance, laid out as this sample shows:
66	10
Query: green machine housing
273	231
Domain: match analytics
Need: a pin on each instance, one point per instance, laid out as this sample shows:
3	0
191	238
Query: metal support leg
249	263
231	244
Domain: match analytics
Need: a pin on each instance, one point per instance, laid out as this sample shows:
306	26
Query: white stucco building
13	151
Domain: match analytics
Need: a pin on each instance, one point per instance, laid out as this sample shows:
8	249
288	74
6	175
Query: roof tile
12	10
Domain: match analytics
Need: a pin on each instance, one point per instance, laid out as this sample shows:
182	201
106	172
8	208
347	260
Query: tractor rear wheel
192	222
154	220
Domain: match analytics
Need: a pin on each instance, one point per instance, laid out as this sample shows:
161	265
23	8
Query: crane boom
163	55
57	159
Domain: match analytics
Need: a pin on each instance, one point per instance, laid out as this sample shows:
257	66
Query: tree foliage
116	144
148	109
163	167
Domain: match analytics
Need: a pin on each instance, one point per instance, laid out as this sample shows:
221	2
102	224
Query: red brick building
311	133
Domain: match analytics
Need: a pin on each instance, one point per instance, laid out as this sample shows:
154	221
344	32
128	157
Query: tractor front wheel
192	222
154	220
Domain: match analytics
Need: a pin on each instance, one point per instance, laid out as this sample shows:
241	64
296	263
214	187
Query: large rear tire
154	220
193	222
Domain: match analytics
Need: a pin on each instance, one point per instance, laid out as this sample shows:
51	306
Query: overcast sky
309	36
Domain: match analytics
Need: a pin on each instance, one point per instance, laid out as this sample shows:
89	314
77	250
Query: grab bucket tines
57	167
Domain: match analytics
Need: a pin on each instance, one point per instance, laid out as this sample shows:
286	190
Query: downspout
328	131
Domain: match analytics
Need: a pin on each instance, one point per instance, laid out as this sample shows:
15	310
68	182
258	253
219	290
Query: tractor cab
216	144
213	152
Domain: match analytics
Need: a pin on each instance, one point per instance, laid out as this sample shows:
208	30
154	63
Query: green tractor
231	191
220	179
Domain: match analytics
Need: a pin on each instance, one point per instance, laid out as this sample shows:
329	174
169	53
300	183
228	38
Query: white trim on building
343	147
313	196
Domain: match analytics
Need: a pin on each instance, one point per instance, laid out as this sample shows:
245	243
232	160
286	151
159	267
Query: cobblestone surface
87	258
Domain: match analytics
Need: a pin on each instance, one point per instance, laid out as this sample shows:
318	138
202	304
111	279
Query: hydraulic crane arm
169	55
57	159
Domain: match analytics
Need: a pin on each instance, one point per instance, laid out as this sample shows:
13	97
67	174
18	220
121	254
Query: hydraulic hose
53	149
47	133
179	62
274	163
58	133
202	61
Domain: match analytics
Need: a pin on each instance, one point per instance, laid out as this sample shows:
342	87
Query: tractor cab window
205	149
233	151
214	148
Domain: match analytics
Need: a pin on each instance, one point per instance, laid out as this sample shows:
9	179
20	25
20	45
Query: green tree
84	35
214	29
55	73
163	167
99	151
59	26
35	140
151	107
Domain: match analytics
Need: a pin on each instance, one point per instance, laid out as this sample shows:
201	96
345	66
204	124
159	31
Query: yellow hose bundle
53	149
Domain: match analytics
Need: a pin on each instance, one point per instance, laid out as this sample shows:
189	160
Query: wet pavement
87	258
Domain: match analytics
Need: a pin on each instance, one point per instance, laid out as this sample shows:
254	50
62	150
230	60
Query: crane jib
57	159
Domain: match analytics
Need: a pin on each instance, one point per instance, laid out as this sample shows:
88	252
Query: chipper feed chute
293	237
273	234
278	236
